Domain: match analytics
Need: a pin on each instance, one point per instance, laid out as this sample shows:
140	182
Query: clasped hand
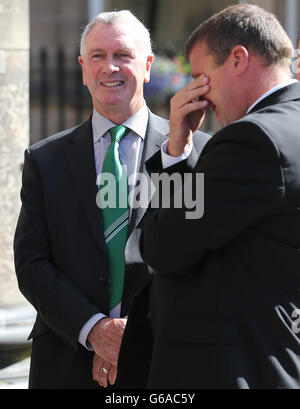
105	339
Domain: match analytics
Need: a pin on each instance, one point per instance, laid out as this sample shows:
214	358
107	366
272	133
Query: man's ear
239	58
149	63
80	59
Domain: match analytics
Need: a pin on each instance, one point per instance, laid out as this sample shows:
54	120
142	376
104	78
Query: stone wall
14	132
16	315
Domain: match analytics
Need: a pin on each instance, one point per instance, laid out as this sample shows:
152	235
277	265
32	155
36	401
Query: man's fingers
98	363
101	371
112	375
109	354
194	95
198	82
107	351
192	91
197	108
104	373
194	106
187	112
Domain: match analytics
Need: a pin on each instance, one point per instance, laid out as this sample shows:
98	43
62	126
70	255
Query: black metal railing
58	99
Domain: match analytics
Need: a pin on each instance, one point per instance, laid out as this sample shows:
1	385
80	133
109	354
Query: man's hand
187	114
105	338
103	372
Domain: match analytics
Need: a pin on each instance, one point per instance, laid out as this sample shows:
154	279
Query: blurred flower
168	76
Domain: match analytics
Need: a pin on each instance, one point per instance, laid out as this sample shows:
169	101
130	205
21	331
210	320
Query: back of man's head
248	25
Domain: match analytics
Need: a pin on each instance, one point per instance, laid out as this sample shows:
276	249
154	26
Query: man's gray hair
112	17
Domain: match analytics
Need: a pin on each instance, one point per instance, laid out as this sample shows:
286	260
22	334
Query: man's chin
112	101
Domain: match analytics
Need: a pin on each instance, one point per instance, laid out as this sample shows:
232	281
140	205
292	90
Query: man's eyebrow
120	49
95	50
129	50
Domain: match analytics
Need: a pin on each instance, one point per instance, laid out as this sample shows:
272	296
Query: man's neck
118	117
271	91
270	79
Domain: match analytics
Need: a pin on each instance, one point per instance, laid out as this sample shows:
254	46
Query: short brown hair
247	25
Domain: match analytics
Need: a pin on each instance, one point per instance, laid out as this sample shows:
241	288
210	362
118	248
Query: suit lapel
157	133
80	157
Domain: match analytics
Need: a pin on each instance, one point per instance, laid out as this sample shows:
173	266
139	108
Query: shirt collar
271	91
137	123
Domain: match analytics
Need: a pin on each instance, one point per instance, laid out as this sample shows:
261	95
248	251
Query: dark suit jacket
60	254
222	301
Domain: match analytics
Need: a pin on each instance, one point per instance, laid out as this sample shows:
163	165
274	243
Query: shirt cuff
85	330
168	160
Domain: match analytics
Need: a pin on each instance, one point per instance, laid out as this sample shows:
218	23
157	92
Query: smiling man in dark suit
226	292
78	265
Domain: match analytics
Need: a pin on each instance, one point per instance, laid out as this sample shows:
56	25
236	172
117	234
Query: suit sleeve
243	184
57	299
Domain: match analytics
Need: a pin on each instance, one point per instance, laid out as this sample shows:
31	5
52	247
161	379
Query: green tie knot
118	132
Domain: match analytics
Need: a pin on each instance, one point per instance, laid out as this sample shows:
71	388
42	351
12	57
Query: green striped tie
115	219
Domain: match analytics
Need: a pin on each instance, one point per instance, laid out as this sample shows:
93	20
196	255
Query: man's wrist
86	330
168	160
176	150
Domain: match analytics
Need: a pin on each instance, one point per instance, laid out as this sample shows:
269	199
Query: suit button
104	281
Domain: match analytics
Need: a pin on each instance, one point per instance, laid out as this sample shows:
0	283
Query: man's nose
109	66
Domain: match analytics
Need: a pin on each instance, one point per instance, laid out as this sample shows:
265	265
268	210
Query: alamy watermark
295	66
161	190
296	322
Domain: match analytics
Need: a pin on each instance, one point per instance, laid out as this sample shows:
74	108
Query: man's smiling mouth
112	84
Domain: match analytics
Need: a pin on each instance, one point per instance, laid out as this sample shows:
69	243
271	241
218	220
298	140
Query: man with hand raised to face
226	293
78	262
